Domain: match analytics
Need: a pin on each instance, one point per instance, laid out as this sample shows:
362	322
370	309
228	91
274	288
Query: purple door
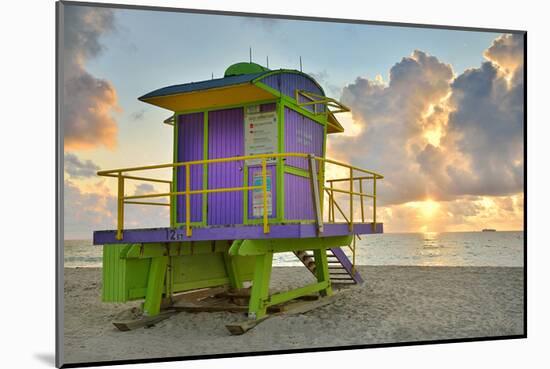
225	139
190	147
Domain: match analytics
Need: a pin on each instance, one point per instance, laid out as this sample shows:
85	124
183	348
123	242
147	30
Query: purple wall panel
298	198
288	83
302	135
258	169
268	107
190	147
225	139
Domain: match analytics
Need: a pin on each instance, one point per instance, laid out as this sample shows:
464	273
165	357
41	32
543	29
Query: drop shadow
46	358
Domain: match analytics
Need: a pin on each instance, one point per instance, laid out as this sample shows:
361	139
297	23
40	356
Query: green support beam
260	286
298	292
231	270
321	269
258	247
155	285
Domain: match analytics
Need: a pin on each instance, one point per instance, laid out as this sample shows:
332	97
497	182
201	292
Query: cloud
138	115
91	208
484	127
323	79
392	125
144	188
87	211
79	169
506	52
88	101
440	136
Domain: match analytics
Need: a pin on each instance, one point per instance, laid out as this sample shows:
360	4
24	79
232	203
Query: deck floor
234	232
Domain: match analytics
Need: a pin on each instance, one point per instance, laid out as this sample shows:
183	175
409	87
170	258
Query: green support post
231	270
321	269
260	286
155	285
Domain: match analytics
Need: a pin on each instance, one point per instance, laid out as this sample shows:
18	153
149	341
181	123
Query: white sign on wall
258	195
261	133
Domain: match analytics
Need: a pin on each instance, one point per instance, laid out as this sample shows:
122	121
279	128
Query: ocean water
424	249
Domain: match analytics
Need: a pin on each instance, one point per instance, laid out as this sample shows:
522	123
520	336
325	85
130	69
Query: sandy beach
396	304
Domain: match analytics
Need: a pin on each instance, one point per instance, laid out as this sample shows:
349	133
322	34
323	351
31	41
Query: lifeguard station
249	179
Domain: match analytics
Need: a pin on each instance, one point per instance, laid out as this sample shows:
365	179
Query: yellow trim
187	200
211	98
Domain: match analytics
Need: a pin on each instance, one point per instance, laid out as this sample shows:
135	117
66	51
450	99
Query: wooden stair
339	266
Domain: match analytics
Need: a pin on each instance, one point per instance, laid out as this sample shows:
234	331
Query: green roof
244	68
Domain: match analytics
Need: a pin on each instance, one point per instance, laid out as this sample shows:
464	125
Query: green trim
280	162
297	171
246	193
173	199
205	168
270	89
298	221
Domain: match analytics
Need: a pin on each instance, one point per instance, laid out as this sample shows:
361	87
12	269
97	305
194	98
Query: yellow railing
316	99
121	175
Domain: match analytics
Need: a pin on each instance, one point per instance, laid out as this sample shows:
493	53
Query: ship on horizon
488	230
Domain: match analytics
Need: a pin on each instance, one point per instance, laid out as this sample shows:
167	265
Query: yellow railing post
353	257
120	206
361	198
351	199
321	166
374	204
188	231
331	203
264	190
172	199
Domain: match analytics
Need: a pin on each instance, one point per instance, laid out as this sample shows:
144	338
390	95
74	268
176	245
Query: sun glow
351	127
427	208
433	136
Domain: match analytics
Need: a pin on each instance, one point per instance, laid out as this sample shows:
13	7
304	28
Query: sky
438	112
